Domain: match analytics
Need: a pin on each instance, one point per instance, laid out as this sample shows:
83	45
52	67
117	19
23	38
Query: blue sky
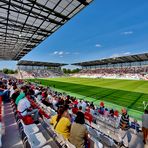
106	28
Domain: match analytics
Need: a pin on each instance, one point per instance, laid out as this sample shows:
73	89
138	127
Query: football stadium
93	93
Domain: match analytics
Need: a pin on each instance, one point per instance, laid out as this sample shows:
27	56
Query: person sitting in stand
88	116
4	91
15	95
21	95
39	96
75	109
45	99
102	110
75	101
78	132
62	122
36	91
135	125
145	126
92	110
124	127
80	109
111	113
24	108
60	102
79	103
106	113
92	105
12	90
67	100
116	113
84	104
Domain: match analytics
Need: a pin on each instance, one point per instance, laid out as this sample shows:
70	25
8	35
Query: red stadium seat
41	111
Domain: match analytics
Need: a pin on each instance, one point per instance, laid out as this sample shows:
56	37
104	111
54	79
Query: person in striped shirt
124	126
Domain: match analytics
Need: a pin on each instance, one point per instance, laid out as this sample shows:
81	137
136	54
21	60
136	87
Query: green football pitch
114	92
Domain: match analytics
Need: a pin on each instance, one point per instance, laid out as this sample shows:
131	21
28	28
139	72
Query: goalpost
145	103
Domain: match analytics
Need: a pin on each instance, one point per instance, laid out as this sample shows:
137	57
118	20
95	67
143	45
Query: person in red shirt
75	102
75	109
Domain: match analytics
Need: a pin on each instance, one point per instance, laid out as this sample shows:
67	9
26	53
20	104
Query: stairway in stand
11	137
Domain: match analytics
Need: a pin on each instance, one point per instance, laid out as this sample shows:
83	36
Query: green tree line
8	71
71	71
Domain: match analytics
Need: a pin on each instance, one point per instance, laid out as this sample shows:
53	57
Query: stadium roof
116	60
26	23
37	63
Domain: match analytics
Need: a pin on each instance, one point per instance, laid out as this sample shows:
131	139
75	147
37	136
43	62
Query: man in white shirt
11	91
84	106
79	103
36	91
24	107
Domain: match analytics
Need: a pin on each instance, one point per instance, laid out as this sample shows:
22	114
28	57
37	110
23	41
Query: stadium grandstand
124	67
35	69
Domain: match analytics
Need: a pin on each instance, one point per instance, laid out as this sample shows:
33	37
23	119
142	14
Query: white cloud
115	55
61	52
127	33
98	45
120	54
127	53
55	52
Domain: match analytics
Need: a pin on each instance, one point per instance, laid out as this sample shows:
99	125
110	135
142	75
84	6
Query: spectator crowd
123	73
39	73
70	114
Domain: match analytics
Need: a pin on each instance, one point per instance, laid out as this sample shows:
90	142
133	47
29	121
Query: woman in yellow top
61	122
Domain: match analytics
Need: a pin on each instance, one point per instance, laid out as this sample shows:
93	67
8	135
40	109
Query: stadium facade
137	60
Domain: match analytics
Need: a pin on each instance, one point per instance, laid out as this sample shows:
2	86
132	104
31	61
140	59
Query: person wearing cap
124	126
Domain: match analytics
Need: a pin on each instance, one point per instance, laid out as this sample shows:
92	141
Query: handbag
28	120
